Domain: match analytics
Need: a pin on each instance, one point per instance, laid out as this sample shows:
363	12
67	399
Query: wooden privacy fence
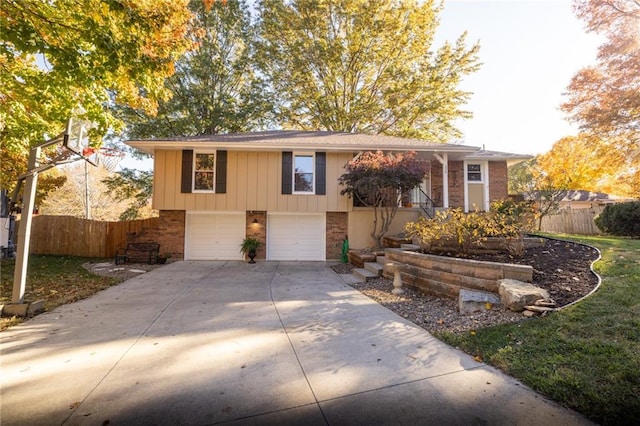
66	235
573	221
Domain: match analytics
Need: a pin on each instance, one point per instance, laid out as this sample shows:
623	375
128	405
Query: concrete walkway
204	343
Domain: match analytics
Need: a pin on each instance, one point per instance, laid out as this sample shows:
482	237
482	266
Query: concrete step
364	274
381	260
410	247
376	268
350	278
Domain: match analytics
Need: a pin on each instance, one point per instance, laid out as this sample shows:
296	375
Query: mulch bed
562	268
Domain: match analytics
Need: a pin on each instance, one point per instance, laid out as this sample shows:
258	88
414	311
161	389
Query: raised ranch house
281	187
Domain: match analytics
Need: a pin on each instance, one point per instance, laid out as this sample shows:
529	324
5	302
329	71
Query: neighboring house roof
314	140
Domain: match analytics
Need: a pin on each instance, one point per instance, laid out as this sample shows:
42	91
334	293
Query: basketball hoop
109	158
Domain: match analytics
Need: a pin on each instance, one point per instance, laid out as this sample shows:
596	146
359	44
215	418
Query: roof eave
150	146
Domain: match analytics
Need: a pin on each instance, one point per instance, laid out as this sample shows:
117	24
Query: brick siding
169	233
337	226
456	184
258	231
436	184
498	180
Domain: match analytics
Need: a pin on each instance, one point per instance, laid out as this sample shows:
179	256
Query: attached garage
214	236
296	236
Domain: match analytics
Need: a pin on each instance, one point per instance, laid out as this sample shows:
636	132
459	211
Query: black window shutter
221	172
321	173
187	171
287	172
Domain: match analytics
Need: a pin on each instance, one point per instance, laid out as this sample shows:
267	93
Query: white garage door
296	237
214	236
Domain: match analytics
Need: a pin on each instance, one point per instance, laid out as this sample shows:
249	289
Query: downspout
465	186
487	182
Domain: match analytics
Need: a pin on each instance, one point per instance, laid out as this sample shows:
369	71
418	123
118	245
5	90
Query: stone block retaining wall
445	276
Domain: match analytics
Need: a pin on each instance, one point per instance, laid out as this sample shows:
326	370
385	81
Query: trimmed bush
506	220
620	219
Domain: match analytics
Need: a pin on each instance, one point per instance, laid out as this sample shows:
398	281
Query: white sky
529	50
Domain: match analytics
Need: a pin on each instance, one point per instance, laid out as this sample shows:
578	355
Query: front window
204	171
474	173
303	169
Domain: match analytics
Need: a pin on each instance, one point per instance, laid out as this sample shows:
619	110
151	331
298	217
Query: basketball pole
26	218
24	231
31	180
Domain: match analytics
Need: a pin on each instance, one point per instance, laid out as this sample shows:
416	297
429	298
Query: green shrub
511	221
620	219
506	220
464	230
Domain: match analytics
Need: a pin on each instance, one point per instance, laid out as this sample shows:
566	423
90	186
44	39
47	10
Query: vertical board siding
72	236
573	221
254	182
273	179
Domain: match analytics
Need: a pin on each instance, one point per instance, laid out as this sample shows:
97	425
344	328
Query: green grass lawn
587	356
57	279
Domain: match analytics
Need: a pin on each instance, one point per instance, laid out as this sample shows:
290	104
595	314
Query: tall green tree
366	66
134	187
520	177
215	88
544	188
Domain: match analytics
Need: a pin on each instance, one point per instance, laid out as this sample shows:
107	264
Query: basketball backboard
76	139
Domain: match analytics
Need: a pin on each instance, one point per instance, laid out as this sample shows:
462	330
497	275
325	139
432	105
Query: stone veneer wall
337	229
445	276
258	231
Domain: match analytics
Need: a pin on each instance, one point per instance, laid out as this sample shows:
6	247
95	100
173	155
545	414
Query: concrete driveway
226	342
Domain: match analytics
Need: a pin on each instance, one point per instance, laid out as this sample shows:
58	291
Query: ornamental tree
378	180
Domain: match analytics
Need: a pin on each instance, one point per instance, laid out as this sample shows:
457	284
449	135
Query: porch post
445	180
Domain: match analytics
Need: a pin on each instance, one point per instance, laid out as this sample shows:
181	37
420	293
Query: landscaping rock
470	301
15	309
539	309
546	303
515	295
36	307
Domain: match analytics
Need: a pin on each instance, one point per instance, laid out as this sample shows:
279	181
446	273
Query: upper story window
303	173
474	173
204	171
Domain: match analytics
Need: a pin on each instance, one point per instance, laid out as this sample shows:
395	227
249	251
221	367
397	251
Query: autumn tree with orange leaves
57	55
604	99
